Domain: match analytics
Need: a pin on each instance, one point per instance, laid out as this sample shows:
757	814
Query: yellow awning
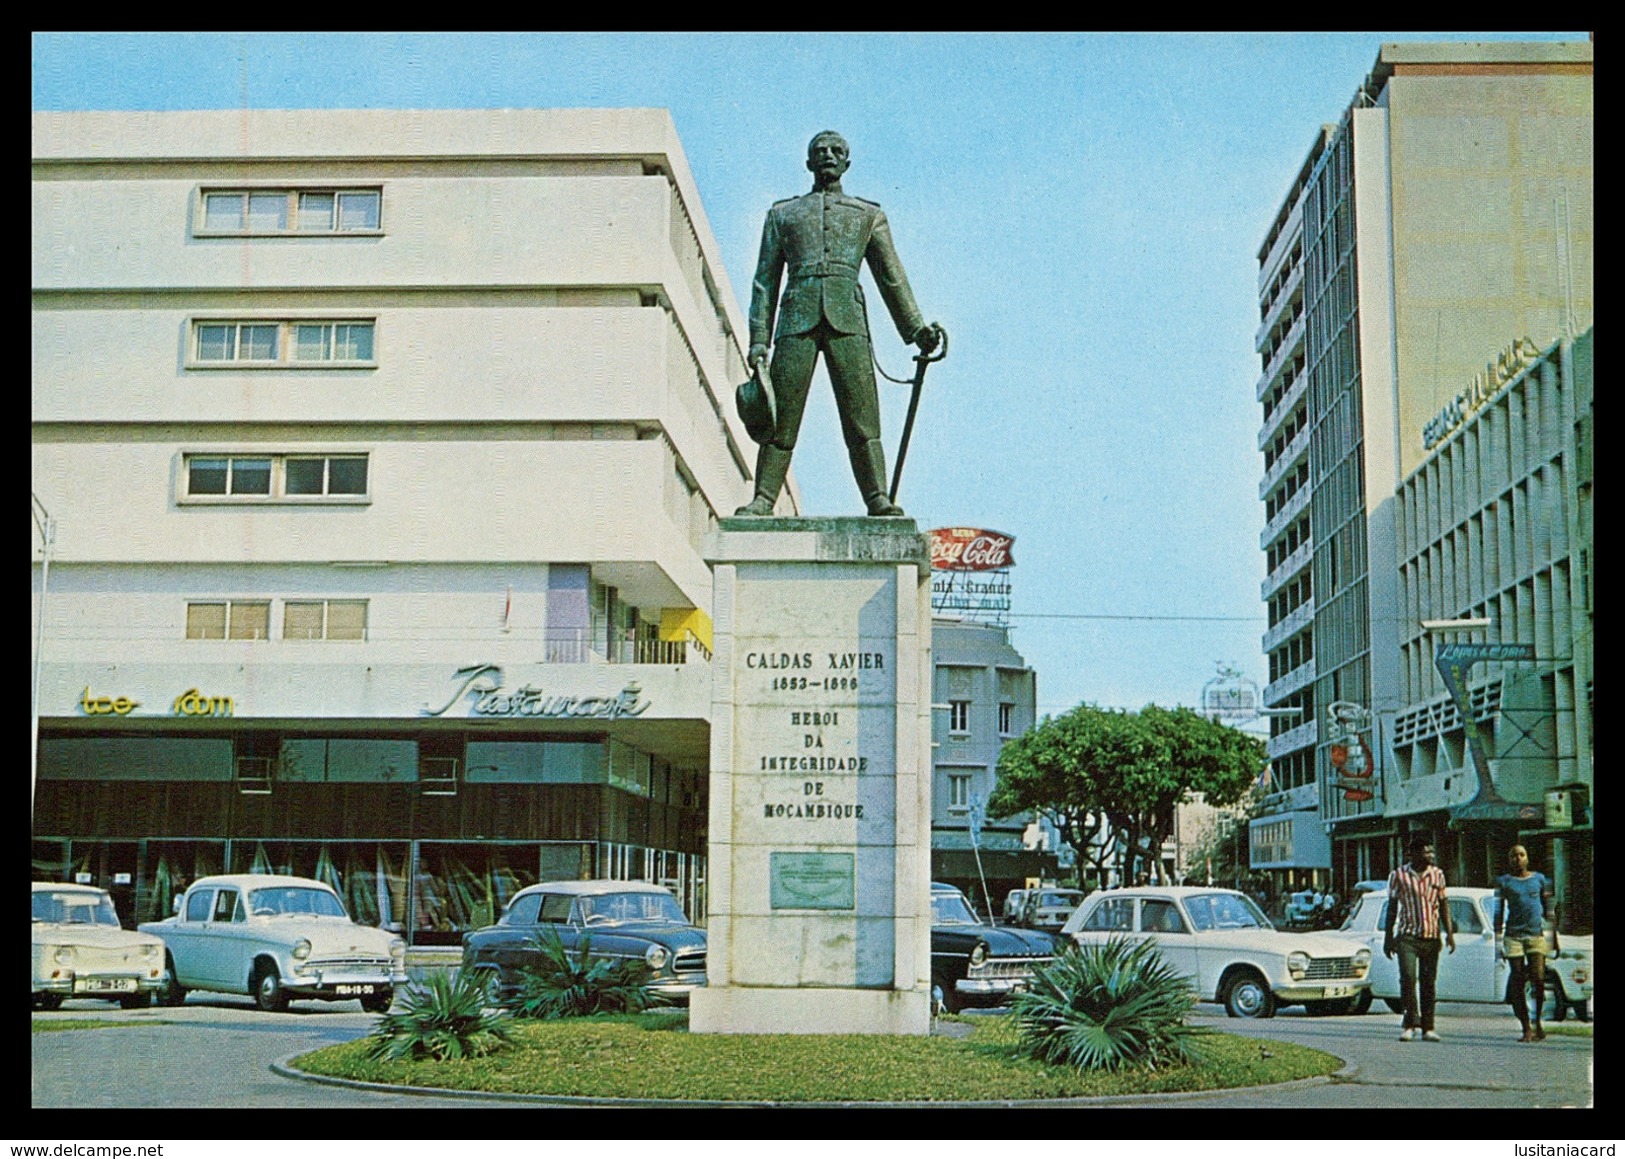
680	623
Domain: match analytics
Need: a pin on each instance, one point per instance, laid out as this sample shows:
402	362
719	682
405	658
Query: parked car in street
615	919
1302	908
1224	944
1048	909
1356	891
1360	888
81	951
276	938
1472	973
1013	901
976	964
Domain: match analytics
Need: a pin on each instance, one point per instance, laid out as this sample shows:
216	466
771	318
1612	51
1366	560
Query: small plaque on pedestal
811	880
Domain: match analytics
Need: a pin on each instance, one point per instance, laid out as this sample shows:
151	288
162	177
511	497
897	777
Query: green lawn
48	1025
653	1056
1569	1029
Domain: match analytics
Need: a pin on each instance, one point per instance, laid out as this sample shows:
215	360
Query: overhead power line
1094	616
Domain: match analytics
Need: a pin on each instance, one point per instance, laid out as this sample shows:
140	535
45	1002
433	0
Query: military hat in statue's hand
756	405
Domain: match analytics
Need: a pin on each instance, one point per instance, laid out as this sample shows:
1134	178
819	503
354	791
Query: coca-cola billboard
970	549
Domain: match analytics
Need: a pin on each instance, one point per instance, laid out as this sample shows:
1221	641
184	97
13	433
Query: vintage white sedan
1472	973
80	950
277	938
1222	941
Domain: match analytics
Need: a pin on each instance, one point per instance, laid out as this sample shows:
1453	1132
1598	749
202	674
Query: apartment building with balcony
1447	215
1288	843
380	447
984	694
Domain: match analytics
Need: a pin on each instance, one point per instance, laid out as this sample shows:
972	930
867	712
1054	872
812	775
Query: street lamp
47	530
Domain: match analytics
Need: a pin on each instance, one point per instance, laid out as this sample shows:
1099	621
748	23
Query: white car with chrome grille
276	938
81	951
1224	944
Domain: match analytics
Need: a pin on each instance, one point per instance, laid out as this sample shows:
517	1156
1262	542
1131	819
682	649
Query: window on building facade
324	475
273	342
324	620
285	478
958	792
259	212
959	716
229	620
1007	714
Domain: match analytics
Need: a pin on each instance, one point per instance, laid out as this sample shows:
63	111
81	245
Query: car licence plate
356	989
1340	991
106	985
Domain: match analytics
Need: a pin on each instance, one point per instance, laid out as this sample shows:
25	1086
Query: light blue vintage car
276	938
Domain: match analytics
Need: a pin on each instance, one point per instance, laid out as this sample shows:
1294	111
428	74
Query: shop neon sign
1350	754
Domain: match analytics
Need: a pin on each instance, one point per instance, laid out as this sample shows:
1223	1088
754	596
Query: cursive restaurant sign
491	697
970	549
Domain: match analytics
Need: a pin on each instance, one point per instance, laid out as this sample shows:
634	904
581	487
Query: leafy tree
1227	846
1099	771
1065	769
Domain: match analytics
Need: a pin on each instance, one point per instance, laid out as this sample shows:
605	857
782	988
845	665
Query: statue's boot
772	464
869	469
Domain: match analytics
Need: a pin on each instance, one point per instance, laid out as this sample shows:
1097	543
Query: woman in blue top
1523	906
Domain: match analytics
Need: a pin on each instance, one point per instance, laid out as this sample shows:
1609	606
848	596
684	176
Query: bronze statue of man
819	240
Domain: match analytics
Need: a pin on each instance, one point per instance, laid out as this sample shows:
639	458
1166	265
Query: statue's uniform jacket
819	240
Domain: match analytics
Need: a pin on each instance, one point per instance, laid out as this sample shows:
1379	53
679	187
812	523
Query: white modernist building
380	447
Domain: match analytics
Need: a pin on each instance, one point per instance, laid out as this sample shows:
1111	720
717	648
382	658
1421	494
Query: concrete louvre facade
382	446
1496	524
1446	220
978	670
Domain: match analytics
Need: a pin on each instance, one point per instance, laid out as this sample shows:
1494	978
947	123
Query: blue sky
1082	212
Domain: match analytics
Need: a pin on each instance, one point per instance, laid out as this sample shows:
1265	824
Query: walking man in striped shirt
1417	914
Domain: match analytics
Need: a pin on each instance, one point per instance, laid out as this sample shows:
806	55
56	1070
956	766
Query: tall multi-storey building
380	447
1445	219
1290	844
984	694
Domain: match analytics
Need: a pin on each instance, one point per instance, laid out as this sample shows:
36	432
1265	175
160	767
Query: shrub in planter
555	982
440	1018
1116	1006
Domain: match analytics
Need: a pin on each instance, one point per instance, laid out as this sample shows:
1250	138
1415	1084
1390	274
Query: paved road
217	1051
1479	1063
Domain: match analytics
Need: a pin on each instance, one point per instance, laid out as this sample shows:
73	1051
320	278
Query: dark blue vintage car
975	964
618	919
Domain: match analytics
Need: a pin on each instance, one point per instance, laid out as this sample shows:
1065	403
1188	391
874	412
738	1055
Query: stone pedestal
820	831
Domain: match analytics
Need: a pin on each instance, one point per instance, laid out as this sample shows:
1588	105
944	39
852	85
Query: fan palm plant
556	982
440	1018
1110	1007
